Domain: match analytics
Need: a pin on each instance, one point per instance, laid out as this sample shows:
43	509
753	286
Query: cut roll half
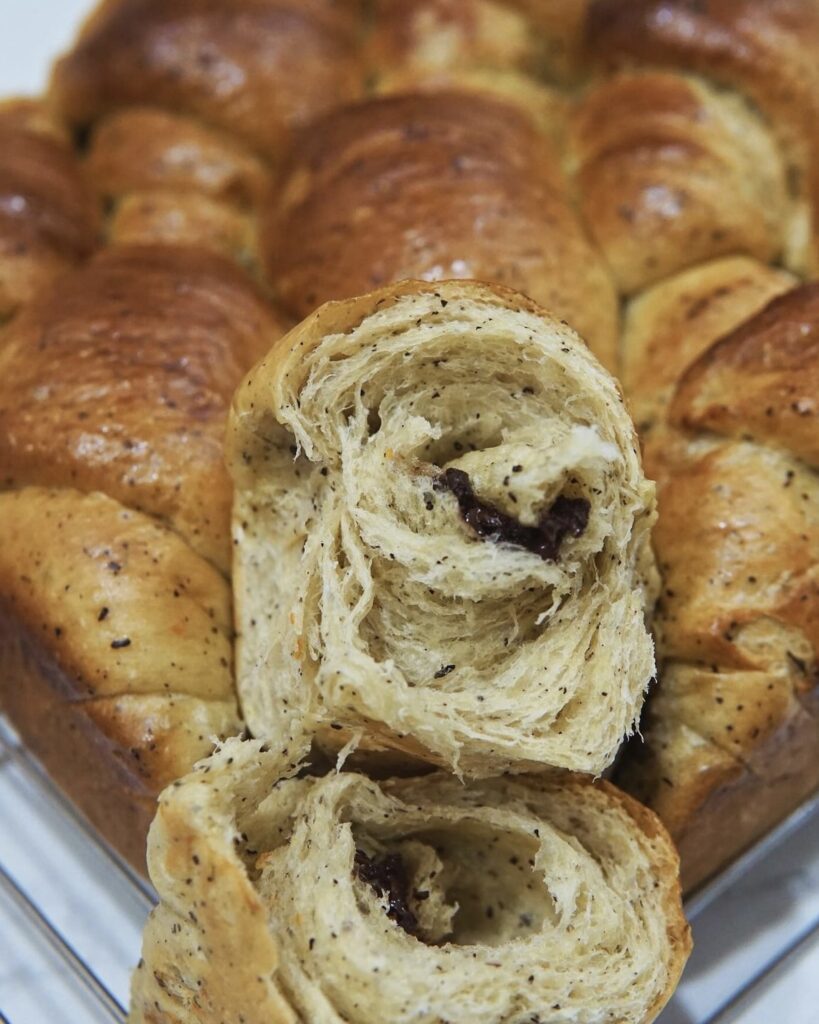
441	533
334	899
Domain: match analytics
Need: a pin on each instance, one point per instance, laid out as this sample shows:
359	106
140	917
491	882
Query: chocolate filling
388	877
568	517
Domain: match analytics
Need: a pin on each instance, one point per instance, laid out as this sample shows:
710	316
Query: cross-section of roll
441	535
342	899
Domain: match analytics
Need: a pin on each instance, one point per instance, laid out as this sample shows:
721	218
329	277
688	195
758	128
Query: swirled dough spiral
336	899
441	535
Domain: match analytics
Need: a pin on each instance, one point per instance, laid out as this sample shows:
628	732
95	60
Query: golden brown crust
667	327
61	734
255	68
776	356
540	37
48	217
115	641
714	804
434	187
671	173
119	379
445	35
738	545
732	731
142	148
166	217
32	115
765	48
547	107
168	179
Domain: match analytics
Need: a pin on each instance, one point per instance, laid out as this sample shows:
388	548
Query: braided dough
502	902
115	619
734	727
115	638
374	601
440	185
48	219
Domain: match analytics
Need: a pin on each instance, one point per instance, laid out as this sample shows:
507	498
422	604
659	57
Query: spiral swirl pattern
441	531
506	901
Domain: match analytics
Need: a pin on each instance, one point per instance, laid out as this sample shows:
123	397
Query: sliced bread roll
415	900
441	534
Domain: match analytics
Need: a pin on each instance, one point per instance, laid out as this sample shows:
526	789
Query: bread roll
169	179
764	49
115	642
672	172
255	68
119	378
115	615
434	186
733	730
667	327
48	218
342	899
441	535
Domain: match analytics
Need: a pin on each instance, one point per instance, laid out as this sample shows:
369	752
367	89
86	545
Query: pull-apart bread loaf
441	535
659	156
291	900
115	613
441	530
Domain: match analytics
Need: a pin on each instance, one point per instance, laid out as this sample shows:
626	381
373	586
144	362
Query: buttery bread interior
441	536
337	898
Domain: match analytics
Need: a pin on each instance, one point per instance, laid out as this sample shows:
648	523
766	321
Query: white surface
34	32
740	934
102	916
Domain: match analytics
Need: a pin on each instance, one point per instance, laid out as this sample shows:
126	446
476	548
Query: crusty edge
667	861
785	771
97	774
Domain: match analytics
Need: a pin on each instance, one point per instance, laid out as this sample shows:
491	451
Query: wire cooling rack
74	909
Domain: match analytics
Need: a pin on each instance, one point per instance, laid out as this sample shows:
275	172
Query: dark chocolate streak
388	877
568	517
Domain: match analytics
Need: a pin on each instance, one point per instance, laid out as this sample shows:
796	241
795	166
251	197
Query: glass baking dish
71	913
